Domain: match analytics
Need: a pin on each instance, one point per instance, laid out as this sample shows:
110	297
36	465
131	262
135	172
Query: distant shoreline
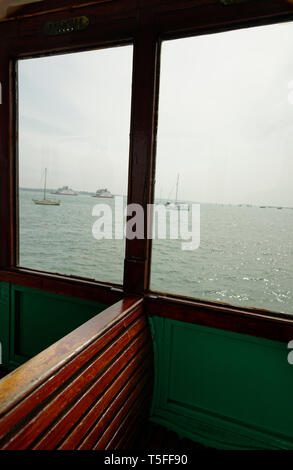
260	206
54	189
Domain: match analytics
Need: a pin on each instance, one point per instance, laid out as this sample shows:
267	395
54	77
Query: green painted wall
31	320
222	389
4	321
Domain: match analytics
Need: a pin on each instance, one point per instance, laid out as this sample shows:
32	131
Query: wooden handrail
81	382
34	372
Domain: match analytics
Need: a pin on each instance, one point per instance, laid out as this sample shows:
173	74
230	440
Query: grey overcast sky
75	120
225	122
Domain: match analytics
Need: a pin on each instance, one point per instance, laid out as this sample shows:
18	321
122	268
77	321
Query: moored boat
44	201
65	191
104	193
176	205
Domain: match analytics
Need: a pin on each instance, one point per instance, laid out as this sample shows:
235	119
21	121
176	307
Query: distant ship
65	191
103	193
177	206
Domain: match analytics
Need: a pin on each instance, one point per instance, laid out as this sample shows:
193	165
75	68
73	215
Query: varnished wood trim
142	155
50	6
95	390
135	423
193	17
107	28
249	8
6	239
136	411
75	388
253	322
68	428
122	408
20	383
102	428
64	285
41	393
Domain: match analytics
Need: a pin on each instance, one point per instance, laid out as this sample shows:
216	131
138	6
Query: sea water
245	257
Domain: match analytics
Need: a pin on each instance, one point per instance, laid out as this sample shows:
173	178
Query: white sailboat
44	201
176	205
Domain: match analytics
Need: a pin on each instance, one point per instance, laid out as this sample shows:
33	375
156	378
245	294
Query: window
225	142
74	124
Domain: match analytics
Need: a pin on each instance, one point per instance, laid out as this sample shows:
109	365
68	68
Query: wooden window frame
143	23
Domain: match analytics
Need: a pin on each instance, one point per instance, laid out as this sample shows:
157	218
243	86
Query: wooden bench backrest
90	390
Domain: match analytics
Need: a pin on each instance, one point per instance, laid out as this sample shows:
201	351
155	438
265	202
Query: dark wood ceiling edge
52	6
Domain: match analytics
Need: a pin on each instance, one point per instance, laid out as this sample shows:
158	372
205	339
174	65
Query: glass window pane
74	124
225	127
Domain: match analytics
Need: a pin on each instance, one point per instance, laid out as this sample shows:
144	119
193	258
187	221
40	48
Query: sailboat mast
45	187
177	187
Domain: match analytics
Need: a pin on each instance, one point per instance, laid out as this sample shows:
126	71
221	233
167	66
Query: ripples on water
245	255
